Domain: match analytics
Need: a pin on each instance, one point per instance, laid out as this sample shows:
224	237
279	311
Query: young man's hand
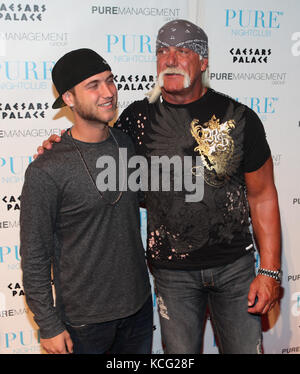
59	344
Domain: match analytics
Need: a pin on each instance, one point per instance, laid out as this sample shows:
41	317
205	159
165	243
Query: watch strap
276	274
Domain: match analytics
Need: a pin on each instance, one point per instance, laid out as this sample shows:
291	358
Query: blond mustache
186	81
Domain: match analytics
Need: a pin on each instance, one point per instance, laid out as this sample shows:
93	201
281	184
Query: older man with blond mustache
201	253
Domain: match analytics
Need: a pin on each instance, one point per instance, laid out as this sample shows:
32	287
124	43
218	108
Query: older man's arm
264	210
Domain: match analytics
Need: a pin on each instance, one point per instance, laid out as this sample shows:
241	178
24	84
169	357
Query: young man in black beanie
89	239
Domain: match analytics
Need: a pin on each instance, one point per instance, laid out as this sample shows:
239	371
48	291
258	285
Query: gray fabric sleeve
39	201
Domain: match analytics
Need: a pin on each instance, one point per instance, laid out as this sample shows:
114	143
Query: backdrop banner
254	56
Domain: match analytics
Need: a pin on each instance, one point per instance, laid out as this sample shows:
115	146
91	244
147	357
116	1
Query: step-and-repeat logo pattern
254	55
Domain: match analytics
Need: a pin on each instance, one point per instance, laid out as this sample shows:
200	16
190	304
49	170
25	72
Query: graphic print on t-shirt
216	147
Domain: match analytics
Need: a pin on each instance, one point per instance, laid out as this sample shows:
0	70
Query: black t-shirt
230	140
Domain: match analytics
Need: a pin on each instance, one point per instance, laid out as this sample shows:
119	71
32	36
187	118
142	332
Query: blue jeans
183	298
128	335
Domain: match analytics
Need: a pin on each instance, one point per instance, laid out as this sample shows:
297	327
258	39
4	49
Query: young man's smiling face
95	98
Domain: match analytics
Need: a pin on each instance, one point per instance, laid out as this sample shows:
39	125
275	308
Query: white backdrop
254	57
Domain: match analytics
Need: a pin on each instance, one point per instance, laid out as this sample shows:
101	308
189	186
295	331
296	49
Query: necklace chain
89	173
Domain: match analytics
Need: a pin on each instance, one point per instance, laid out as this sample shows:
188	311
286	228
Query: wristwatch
276	274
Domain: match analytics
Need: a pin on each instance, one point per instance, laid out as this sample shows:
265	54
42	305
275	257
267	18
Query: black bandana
181	33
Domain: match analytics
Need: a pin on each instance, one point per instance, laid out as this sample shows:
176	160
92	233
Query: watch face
278	275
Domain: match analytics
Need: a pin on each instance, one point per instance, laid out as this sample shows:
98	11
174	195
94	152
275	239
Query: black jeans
127	335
